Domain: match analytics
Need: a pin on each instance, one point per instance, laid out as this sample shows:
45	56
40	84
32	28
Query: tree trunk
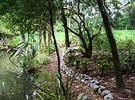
90	48
117	69
40	37
49	36
44	35
64	20
23	36
57	50
85	47
55	43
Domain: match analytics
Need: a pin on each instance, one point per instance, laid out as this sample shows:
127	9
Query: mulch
108	81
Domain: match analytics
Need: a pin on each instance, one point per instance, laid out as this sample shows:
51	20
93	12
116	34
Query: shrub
27	62
103	65
78	61
71	59
84	63
41	59
26	51
101	42
127	62
52	48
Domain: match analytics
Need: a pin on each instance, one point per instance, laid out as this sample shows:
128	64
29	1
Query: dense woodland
103	31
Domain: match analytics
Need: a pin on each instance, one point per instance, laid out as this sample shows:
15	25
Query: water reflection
14	85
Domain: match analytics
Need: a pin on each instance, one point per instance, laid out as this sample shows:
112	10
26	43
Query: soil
105	80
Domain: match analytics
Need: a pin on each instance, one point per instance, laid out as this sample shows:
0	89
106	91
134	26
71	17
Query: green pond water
14	84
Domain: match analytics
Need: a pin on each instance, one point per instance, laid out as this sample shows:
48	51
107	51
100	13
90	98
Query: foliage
49	88
124	21
103	65
125	45
52	48
71	59
13	42
100	42
41	59
26	51
84	63
78	61
27	62
127	61
58	27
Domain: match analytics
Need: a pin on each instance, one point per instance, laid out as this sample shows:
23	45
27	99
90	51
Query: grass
124	34
119	34
60	36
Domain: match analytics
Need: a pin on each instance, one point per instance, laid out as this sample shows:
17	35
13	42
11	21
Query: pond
14	85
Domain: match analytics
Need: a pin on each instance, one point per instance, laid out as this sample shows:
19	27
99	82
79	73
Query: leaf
12	55
60	81
79	97
85	97
39	96
72	82
46	92
19	50
66	95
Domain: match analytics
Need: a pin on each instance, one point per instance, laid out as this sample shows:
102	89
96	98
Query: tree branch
75	20
71	30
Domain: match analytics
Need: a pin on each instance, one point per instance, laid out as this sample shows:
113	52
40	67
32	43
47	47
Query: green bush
84	63
101	42
127	62
52	48
59	27
41	59
103	65
125	45
26	51
71	59
13	42
78	61
27	62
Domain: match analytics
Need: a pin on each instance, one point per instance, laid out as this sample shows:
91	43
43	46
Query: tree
84	31
44	36
52	13
118	75
64	20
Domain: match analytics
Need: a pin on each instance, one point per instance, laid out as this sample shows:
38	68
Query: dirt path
107	81
77	87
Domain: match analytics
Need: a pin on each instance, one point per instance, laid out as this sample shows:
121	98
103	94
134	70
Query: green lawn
124	34
119	34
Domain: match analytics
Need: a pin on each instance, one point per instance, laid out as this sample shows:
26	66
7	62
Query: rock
96	82
87	80
105	92
101	89
62	63
92	81
92	85
82	80
108	97
69	74
95	87
77	78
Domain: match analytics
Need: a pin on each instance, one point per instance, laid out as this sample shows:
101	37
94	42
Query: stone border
93	84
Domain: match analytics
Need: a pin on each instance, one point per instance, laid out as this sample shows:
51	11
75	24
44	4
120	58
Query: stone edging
93	84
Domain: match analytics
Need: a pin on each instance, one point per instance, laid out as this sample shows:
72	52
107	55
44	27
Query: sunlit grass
124	34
